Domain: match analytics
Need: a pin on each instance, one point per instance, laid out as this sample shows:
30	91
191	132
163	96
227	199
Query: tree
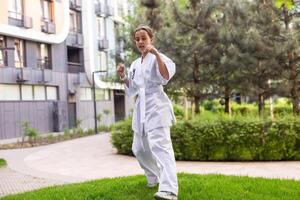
289	58
184	41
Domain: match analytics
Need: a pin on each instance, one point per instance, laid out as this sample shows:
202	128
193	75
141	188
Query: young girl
153	114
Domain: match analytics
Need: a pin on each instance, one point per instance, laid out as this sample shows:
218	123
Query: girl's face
142	40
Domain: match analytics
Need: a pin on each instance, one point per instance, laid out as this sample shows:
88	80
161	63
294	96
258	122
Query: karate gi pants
155	154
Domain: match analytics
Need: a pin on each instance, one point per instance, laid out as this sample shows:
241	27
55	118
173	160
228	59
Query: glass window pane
19	53
39	93
27	92
9	92
44	51
88	93
51	93
19	6
1	58
99	94
2	52
12	5
82	94
101	28
46	10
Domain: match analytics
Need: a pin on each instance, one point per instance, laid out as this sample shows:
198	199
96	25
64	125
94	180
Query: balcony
75	5
75	67
20	20
44	63
75	39
103	10
102	44
23	75
109	10
48	26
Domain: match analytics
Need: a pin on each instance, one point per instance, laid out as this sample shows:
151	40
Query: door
119	101
72	115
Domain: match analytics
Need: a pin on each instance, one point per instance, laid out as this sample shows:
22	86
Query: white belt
142	103
142	100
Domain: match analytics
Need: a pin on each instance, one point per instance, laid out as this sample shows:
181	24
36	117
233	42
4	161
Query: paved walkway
93	158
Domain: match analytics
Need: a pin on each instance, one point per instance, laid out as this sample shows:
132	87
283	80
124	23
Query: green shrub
104	128
210	105
2	162
178	111
29	132
122	136
240	138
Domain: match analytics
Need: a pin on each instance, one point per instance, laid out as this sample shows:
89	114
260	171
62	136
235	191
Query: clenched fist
121	70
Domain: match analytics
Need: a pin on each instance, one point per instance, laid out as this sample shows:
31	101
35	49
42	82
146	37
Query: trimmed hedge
225	139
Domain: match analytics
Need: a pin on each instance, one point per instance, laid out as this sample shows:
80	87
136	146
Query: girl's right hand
121	69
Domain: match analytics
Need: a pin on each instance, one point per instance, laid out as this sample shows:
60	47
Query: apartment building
49	50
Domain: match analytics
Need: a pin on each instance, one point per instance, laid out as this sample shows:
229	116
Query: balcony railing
102	44
75	39
48	26
104	10
23	75
75	67
75	4
20	20
44	63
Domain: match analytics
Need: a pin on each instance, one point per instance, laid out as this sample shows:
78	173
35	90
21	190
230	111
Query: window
47	10
100	28
85	94
120	8
19	53
27	92
102	94
9	92
39	93
73	24
2	52
44	56
15	9
75	21
102	55
51	93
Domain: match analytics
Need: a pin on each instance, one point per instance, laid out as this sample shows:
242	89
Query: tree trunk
186	113
227	101
293	68
260	104
294	90
197	104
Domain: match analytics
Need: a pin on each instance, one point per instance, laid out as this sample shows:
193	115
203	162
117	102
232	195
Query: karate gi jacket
153	108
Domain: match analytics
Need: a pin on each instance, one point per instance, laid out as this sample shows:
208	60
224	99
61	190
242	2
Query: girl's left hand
150	48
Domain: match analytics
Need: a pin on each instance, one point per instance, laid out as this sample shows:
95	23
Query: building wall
53	115
32	12
13	114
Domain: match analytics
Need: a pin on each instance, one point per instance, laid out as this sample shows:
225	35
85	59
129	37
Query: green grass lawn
2	163
192	187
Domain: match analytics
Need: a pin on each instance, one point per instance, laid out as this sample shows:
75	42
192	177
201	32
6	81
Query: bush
2	162
226	139
122	136
210	105
178	111
29	132
104	128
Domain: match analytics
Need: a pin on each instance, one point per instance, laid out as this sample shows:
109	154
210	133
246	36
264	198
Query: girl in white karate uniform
153	114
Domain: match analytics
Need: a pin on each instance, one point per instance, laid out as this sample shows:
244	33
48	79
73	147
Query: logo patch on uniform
133	73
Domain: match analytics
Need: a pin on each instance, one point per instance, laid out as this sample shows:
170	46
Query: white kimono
153	115
153	109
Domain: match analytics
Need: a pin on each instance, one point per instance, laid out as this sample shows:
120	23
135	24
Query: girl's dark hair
145	28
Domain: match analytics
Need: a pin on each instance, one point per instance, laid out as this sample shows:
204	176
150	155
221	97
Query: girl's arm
161	64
